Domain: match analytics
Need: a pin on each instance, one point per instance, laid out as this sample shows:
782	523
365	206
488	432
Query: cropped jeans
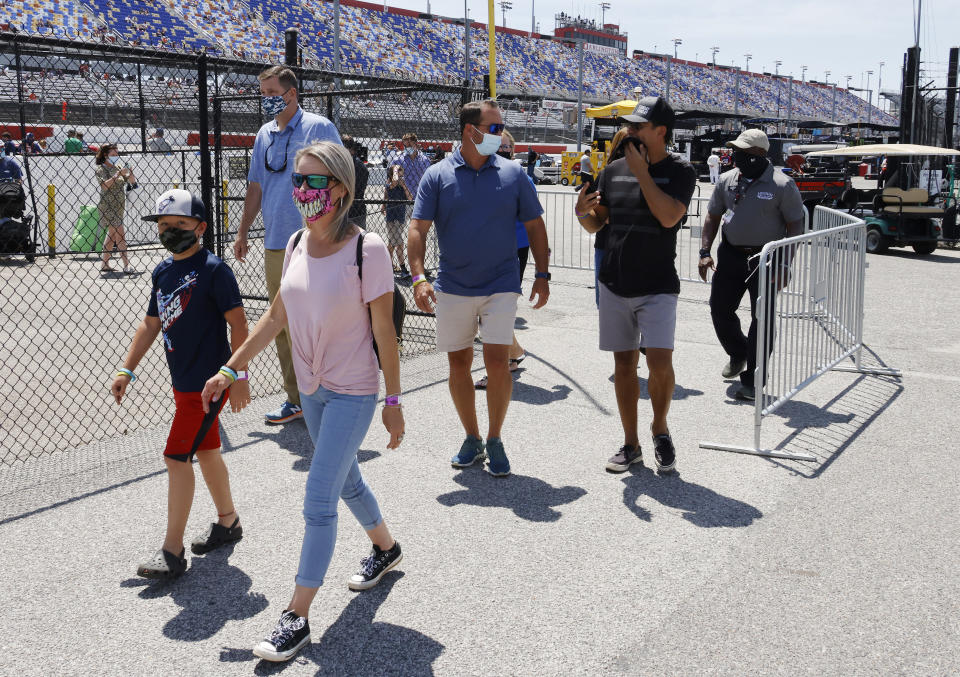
337	424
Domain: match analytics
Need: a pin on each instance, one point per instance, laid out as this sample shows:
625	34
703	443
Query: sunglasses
496	128
317	181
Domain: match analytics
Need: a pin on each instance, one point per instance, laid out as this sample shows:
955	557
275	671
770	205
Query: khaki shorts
629	323
457	319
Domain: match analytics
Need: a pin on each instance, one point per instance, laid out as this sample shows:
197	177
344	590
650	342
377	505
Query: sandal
164	565
107	269
481	384
215	536
515	361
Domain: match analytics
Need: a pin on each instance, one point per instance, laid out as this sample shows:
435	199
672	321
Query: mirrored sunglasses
317	181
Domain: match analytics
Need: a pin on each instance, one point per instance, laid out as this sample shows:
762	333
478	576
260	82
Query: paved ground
735	565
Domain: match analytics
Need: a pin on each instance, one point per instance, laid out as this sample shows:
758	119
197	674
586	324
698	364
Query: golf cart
906	212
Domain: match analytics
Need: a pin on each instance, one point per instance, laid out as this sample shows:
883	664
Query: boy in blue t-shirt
193	293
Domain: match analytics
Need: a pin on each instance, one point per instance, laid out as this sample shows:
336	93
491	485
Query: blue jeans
337	424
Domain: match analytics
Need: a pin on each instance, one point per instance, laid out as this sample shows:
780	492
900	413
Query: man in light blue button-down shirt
270	191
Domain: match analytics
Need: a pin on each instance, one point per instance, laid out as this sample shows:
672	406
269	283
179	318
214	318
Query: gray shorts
629	323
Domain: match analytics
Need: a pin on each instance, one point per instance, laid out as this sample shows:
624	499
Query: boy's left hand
239	396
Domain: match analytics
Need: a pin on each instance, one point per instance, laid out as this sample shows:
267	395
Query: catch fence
65	324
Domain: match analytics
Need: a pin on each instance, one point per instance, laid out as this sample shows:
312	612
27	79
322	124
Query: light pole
504	6
713	51
579	42
748	57
676	42
803	73
879	81
533	17
604	6
849	78
826	77
776	66
869	98
467	70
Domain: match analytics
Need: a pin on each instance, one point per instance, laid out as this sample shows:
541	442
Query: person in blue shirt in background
475	199
10	170
270	192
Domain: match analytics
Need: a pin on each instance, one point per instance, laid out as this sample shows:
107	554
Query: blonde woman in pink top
332	318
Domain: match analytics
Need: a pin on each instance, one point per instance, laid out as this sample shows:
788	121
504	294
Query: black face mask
178	241
750	166
504	154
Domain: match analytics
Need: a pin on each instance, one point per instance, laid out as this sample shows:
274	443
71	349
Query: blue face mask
489	145
273	105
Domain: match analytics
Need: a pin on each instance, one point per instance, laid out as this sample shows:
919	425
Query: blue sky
847	37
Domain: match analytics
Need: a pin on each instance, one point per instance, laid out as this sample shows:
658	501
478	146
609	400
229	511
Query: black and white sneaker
291	634
374	566
624	458
665	454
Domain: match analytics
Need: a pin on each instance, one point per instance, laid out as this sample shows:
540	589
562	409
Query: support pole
51	220
579	95
206	173
492	39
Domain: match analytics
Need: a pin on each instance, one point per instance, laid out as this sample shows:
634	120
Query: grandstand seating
391	43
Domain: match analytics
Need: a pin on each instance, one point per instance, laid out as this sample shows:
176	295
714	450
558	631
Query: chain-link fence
75	262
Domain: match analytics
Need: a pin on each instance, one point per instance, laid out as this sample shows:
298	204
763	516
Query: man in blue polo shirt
270	191
475	198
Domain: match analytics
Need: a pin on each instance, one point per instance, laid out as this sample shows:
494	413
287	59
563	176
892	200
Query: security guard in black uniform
753	204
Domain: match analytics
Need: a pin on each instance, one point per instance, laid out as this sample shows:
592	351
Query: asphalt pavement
735	564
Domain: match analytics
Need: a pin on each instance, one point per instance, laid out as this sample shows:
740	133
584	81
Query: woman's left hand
393	422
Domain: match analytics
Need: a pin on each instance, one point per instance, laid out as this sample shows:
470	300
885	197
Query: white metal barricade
810	315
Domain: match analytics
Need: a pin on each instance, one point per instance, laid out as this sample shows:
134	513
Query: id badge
727	217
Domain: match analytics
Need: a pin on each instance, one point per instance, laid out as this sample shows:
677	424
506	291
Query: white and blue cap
178	202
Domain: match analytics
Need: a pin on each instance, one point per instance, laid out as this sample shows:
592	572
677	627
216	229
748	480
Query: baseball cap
178	202
750	138
653	109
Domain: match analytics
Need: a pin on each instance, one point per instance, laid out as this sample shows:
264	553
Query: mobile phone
637	143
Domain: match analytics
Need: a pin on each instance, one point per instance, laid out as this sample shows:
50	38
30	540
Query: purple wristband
391	401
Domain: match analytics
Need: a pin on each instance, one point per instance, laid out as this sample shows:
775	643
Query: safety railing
810	316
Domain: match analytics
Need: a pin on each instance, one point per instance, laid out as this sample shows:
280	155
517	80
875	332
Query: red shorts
187	420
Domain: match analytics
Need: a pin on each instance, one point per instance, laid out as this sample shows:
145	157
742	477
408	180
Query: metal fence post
206	177
143	116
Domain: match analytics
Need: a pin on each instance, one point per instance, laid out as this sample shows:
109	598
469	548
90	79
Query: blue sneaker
286	413
471	451
498	466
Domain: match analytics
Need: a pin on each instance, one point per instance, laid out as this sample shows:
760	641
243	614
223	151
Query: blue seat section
374	42
149	24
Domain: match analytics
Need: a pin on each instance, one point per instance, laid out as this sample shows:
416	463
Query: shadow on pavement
210	593
528	497
292	437
831	433
531	394
679	392
355	644
700	506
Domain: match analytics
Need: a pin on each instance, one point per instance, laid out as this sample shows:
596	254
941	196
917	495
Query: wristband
229	373
391	401
704	253
126	372
417	279
243	375
581	216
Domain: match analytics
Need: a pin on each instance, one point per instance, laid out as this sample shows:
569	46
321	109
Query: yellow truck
605	125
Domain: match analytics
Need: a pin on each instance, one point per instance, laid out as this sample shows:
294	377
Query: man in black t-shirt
640	201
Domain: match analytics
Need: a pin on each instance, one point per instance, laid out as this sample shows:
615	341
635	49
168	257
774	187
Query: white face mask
489	145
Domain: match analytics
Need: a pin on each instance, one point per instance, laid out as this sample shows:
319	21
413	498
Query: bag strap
360	254
296	240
